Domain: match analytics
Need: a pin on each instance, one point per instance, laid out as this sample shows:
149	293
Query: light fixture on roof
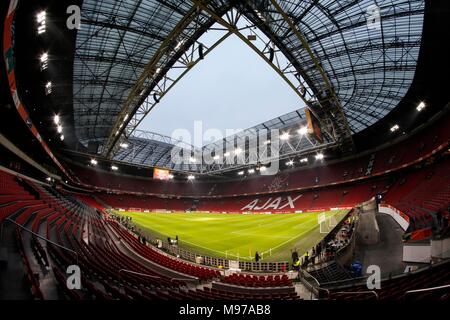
170	176
48	179
267	142
395	127
158	70
179	44
319	156
285	136
290	163
226	154
94	162
216	157
303	130
251	171
59	128
114	168
237	151
263	168
61	137
124	145
48	88
191	177
241	173
44	61
56	119
304	160
192	159
40	18
421	106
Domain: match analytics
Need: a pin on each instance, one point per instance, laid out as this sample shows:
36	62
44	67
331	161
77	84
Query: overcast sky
232	88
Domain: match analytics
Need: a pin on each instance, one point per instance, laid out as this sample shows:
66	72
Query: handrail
358	292
150	276
139	273
427	289
43	238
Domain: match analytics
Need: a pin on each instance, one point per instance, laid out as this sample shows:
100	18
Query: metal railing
358	292
409	292
43	238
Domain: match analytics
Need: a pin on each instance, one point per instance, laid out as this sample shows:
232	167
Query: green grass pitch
239	235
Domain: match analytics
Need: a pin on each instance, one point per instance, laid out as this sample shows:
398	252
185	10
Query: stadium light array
124	145
285	136
191	177
41	20
304	160
114	168
240	173
56	119
319	156
226	154
302	131
170	176
395	127
216	157
421	106
192	159
290	163
59	128
251	171
94	162
48	88
263	168
61	137
44	61
267	142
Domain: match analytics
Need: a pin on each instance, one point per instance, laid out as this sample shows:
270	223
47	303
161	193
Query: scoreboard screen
161	174
313	125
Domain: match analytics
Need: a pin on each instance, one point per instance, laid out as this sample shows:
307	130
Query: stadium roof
339	50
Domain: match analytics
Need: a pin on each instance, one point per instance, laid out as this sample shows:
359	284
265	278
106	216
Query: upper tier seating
422	193
323	199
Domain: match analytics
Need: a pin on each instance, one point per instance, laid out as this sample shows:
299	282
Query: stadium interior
345	198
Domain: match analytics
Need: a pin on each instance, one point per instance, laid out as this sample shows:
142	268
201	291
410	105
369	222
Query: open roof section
370	69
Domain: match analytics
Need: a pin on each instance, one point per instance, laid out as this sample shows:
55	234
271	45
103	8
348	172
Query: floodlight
319	156
395	128
285	136
302	131
421	106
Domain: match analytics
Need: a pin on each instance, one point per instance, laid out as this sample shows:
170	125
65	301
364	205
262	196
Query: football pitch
239	236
